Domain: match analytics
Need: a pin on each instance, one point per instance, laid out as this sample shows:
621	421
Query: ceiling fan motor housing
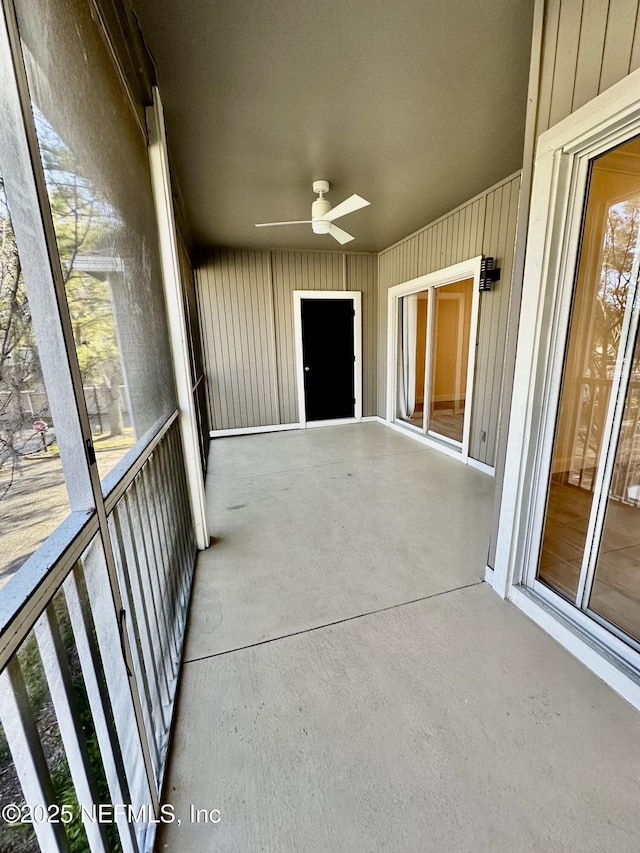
319	209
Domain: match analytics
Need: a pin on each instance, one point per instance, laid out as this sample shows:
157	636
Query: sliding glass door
590	550
450	359
433	357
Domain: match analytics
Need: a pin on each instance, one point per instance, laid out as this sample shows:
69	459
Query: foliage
618	254
21	835
19	365
85	227
84	224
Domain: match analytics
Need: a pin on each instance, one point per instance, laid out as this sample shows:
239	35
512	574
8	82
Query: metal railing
74	760
588	435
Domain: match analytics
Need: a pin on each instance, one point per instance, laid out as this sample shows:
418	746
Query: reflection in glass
616	588
450	359
33	496
412	316
609	240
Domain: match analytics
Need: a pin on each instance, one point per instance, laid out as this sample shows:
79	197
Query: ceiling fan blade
354	202
340	235
293	222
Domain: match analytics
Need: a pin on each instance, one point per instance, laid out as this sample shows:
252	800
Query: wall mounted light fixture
488	274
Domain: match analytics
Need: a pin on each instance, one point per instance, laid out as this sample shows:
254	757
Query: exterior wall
587	46
246	309
484	225
198	382
580	48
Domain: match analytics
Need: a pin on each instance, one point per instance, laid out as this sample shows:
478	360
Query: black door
328	358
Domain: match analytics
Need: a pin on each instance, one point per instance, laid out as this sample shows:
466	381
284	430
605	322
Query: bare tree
84	225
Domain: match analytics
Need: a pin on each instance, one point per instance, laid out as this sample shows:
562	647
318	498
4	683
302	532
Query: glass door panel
412	337
615	594
593	355
450	358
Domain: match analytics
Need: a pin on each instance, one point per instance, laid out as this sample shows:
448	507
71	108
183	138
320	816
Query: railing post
31	766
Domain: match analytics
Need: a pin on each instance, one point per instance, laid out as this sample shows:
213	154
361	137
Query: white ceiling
417	105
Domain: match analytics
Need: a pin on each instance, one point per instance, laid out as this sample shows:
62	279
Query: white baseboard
221	433
332	422
424	439
482	466
488	575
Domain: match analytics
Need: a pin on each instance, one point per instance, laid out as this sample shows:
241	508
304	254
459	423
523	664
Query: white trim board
481	466
220	433
332	422
356	297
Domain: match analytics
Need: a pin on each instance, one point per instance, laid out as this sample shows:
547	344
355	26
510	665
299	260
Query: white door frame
449	275
558	196
356	297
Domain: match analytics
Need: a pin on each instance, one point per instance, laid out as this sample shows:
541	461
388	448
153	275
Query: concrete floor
351	685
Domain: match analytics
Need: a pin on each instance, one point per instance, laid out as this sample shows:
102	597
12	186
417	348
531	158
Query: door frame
356	297
560	184
462	271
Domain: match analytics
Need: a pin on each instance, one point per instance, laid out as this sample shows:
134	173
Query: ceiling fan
322	214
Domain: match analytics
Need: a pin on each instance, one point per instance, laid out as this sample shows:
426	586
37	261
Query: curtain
407	383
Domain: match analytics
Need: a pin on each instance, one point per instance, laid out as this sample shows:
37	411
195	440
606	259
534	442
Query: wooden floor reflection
616	589
444	421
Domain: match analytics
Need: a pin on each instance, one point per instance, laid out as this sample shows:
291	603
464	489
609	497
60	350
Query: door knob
306	368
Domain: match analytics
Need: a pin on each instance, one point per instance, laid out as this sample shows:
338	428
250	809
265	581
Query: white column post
161	183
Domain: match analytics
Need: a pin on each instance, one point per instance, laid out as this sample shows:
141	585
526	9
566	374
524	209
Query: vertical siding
297	271
587	46
362	274
236	317
486	225
498	241
246	308
395	265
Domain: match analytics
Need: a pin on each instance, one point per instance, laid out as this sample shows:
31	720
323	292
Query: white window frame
559	190
449	275
356	297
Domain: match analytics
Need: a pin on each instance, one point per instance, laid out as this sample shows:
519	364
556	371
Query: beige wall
246	309
587	46
484	225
